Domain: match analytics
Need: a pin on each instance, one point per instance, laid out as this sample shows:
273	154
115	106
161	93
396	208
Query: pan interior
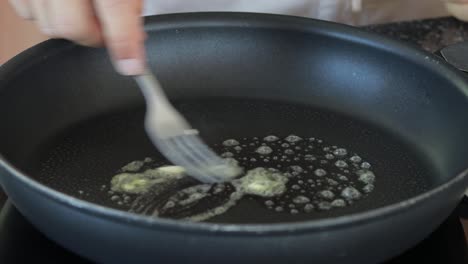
82	158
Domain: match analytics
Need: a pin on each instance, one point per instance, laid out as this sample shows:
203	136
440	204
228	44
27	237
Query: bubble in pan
288	175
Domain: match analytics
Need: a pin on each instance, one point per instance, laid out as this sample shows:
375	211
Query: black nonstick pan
69	123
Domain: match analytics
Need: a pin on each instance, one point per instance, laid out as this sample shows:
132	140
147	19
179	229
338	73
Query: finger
22	8
40	10
458	9
123	33
75	20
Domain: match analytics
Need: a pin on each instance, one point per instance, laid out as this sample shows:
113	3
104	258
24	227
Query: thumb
458	8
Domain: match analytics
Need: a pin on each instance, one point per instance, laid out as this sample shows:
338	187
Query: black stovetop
20	242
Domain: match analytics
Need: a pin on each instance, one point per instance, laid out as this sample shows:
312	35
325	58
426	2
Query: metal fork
176	140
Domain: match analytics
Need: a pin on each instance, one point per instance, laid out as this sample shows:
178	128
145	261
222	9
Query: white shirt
355	12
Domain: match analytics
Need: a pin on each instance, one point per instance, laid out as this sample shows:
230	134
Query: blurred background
15	33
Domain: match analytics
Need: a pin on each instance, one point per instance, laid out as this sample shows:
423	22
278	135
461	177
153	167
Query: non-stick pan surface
71	122
84	157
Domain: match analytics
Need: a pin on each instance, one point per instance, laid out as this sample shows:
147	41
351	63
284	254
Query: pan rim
254	20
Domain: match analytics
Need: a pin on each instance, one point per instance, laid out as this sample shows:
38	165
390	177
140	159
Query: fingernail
130	66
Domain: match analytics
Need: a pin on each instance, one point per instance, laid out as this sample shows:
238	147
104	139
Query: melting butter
262	182
139	183
259	181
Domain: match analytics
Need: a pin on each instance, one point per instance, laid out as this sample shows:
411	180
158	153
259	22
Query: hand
458	8
117	24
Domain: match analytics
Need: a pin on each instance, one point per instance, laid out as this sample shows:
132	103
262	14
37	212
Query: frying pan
69	122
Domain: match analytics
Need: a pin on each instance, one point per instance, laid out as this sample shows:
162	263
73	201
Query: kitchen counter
430	34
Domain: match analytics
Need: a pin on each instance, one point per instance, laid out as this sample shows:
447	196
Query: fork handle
152	90
160	111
